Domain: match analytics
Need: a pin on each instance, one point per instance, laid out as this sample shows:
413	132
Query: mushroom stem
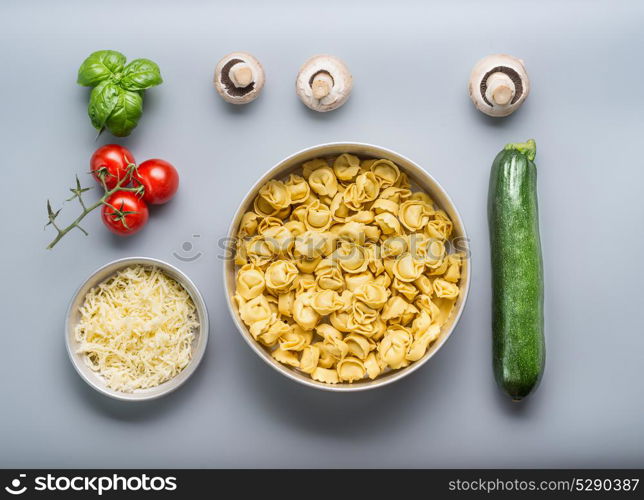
500	89
321	85
241	75
499	84
239	78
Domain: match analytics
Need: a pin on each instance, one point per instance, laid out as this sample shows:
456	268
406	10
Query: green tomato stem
90	208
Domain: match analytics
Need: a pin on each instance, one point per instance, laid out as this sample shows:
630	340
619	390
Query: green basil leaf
141	74
126	113
99	66
102	102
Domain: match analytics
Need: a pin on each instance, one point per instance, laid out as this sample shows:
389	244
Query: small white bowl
93	378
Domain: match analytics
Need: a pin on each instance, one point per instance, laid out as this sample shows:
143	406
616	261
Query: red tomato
110	162
124	213
159	179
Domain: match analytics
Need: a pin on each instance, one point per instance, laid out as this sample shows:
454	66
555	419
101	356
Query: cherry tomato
110	162
159	179
124	213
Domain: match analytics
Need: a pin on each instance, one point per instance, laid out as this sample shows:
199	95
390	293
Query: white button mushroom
499	84
239	78
324	83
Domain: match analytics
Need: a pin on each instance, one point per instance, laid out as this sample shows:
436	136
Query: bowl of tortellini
348	267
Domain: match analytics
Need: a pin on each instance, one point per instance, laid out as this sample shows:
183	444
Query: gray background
411	61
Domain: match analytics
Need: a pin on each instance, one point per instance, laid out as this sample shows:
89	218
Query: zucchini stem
528	148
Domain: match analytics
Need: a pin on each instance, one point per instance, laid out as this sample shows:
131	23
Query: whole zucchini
517	271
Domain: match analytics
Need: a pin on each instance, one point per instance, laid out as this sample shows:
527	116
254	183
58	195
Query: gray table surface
411	61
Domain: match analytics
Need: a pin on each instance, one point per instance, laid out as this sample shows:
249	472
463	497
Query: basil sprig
116	101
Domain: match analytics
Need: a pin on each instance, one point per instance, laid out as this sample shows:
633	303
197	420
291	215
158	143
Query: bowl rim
197	356
289	372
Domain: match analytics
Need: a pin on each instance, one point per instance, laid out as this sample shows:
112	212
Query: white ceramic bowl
93	378
420	179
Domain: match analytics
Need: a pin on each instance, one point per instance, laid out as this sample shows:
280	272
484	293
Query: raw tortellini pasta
280	276
343	272
250	282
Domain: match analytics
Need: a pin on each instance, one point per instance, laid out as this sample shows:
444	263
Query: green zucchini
517	271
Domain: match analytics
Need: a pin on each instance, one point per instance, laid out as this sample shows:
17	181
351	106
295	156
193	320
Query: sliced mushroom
239	78
324	83
499	84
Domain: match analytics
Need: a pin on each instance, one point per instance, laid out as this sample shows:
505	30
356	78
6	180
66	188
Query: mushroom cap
226	86
339	84
508	75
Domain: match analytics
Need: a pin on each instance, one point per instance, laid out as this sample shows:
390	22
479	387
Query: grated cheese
136	328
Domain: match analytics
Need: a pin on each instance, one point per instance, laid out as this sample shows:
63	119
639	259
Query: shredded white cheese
136	328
